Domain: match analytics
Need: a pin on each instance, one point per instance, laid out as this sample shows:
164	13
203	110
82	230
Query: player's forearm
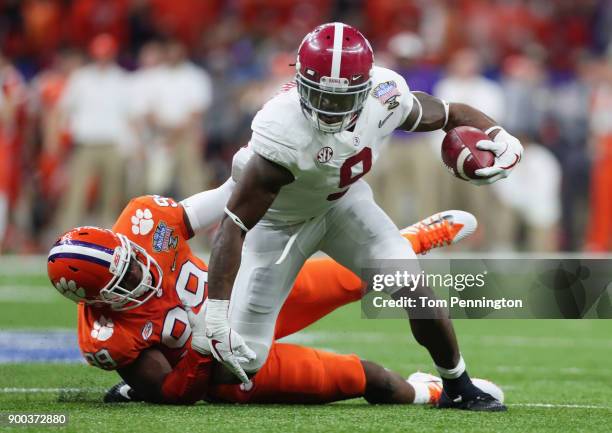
206	208
465	115
225	260
153	380
188	381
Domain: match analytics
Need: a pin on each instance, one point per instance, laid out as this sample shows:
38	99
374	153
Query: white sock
421	392
452	373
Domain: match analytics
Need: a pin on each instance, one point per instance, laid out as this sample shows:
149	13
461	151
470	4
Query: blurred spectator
464	83
409	175
144	85
12	104
565	131
179	104
526	95
599	234
52	137
545	54
88	18
95	105
532	193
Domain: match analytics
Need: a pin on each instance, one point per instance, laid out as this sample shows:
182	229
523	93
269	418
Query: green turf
536	362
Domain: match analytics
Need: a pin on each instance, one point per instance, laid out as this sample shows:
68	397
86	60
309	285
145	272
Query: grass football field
557	375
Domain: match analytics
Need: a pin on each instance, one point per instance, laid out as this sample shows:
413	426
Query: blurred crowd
102	100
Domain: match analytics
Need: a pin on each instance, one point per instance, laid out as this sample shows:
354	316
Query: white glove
211	334
508	151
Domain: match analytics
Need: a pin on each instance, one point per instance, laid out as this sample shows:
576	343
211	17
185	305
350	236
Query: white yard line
92	390
47	390
559	406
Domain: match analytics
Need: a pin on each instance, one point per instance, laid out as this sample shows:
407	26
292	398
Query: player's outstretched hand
211	334
508	151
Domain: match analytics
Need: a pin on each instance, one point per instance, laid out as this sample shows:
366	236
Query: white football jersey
324	165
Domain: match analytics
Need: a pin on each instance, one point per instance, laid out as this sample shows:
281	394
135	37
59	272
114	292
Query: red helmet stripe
337	50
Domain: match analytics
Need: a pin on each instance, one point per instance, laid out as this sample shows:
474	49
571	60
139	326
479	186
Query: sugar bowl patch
164	238
387	93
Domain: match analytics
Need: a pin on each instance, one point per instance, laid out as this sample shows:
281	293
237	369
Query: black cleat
479	402
121	393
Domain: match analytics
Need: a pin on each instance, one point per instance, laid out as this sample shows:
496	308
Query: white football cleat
433	383
441	229
490	388
482	384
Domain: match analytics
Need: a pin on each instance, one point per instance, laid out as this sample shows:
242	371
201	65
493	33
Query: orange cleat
439	230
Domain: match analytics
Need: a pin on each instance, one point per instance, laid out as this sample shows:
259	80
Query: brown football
460	154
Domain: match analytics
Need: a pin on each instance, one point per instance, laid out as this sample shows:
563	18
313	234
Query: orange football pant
298	374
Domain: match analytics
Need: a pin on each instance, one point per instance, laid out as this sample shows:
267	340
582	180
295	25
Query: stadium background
542	68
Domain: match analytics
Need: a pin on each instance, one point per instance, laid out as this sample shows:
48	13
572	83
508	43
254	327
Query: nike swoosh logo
382	122
214	343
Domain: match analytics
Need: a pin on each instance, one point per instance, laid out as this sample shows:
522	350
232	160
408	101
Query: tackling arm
206	208
154	380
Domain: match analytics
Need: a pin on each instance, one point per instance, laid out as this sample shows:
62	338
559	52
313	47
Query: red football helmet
334	75
96	266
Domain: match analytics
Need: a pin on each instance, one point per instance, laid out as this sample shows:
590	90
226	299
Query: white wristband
418	121
446	111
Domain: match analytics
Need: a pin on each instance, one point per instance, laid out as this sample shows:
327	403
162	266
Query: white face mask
332	105
121	298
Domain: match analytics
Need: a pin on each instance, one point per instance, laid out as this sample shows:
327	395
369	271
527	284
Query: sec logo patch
325	154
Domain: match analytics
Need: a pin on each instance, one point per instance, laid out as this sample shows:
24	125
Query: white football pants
354	232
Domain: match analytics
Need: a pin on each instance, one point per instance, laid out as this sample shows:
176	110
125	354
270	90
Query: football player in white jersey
299	190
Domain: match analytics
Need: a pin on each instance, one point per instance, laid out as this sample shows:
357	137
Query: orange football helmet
97	266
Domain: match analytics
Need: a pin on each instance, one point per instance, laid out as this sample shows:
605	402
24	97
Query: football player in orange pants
135	285
599	232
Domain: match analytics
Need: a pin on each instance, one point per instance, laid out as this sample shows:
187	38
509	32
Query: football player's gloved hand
508	151
211	334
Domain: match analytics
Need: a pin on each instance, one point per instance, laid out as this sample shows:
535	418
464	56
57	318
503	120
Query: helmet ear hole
73	269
